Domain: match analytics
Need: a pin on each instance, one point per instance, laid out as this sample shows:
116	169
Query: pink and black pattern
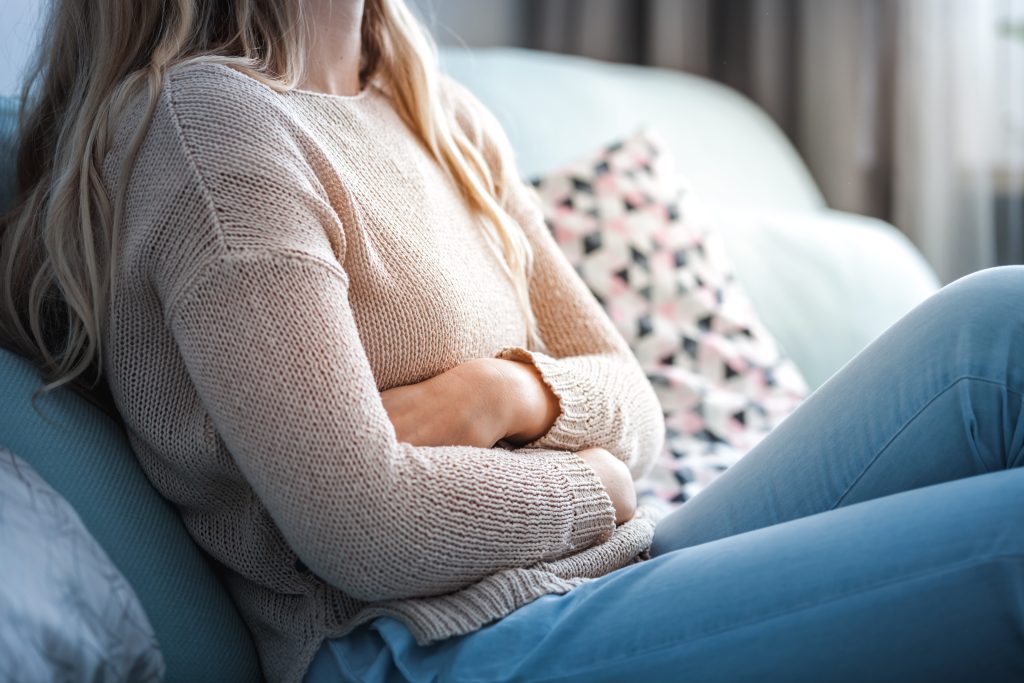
646	248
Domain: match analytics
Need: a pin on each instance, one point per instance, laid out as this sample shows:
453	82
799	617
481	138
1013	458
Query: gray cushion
68	613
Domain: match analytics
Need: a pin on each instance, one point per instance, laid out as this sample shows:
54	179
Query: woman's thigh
925	585
936	397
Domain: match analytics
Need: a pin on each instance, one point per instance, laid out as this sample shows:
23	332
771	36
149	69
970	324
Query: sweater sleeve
247	258
606	400
271	346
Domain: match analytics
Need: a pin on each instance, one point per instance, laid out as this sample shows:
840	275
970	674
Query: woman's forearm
477	403
532	406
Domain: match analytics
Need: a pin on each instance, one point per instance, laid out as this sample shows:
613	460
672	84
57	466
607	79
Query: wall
18	22
473	22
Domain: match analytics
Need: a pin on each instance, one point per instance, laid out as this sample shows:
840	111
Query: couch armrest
826	283
8	127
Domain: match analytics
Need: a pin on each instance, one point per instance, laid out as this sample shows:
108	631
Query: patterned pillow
68	613
647	249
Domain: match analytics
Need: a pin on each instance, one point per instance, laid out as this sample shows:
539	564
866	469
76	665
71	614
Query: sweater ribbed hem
432	619
630	542
571	428
436	618
593	509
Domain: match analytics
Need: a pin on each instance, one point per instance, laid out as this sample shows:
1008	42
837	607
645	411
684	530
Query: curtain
909	110
959	109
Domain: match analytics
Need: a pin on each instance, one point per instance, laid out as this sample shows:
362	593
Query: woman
345	346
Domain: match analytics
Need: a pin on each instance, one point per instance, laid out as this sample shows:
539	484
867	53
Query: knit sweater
282	258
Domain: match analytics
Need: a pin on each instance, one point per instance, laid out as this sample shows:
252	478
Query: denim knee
979	316
983	298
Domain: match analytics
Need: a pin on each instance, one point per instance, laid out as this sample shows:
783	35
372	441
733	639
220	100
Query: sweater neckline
364	94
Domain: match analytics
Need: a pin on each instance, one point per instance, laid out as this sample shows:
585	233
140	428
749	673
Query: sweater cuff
570	429
593	510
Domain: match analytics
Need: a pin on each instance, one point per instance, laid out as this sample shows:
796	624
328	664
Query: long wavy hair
58	244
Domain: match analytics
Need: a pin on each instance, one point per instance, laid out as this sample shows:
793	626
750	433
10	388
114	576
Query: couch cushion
826	283
85	456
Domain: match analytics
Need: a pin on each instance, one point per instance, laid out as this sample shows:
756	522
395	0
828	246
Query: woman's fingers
618	482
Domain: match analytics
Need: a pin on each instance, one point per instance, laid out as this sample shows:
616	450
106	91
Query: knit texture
284	258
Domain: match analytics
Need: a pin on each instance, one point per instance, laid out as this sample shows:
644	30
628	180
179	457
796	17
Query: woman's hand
460	407
618	482
532	406
477	403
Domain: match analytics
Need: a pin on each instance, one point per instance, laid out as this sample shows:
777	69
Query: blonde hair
59	243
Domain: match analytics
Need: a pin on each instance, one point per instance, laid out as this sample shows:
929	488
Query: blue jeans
876	535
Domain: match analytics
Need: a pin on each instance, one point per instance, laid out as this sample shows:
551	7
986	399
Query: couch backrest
85	456
8	124
556	108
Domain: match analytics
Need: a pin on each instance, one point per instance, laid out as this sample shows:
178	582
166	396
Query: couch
824	282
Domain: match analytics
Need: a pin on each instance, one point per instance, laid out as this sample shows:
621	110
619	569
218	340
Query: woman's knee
983	294
981	308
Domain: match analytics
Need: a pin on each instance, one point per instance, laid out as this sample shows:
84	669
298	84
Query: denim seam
909	421
1000	557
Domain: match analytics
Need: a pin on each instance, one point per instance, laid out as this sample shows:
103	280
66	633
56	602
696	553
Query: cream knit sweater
283	258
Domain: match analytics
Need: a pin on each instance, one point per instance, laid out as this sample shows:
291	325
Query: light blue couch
824	282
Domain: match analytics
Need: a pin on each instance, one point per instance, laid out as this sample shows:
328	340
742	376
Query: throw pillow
646	247
68	613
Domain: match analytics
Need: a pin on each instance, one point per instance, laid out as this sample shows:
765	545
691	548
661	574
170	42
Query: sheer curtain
958	143
910	110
